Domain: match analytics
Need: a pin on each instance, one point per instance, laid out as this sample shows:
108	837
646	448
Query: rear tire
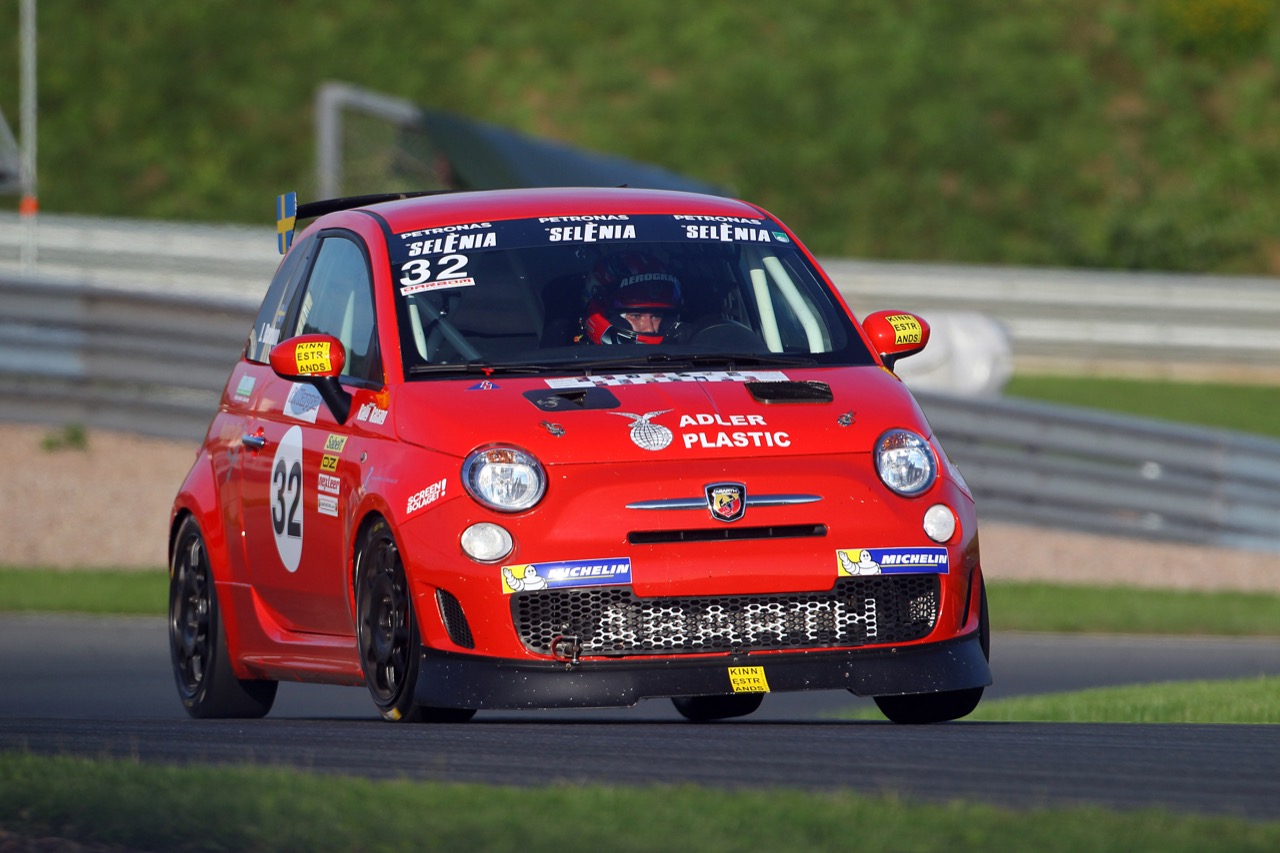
704	709
207	685
924	708
390	646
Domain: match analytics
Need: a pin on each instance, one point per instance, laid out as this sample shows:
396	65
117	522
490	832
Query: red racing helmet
629	282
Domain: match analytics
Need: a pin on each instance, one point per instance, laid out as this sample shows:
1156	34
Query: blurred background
1080	197
1119	134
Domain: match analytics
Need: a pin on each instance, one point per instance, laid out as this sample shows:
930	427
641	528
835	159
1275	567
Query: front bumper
452	680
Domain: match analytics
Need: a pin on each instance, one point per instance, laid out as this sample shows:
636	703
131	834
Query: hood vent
790	392
572	399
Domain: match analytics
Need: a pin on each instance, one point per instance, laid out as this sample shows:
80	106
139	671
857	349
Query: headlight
504	478
905	462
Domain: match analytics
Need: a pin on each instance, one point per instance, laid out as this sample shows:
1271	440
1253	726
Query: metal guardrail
148	363
155	364
1080	469
1092	322
1171	325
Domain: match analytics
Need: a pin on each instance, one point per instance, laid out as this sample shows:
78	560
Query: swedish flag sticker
286	217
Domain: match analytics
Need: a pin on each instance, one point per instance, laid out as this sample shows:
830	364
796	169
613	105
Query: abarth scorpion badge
727	501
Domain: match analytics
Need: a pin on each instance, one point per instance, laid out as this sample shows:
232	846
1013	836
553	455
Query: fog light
940	523
486	542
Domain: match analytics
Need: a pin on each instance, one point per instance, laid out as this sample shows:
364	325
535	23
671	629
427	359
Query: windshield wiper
754	360
481	368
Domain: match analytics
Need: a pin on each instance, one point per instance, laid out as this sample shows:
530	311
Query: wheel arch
369	514
198	499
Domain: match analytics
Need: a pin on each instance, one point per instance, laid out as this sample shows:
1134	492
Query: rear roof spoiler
288	211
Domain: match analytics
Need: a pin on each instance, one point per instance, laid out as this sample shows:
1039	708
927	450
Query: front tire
207	685
923	708
704	709
390	646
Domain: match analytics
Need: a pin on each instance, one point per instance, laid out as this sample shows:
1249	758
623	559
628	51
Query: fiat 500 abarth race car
570	448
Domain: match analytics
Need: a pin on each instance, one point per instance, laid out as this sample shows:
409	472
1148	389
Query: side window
275	305
339	302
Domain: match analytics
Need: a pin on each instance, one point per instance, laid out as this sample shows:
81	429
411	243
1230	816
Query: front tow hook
566	648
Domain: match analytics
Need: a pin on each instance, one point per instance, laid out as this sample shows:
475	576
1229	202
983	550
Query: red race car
570	448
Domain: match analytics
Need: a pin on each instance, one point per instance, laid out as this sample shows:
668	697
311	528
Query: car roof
489	205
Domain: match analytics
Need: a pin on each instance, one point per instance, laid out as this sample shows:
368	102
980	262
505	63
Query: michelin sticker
852	562
564	574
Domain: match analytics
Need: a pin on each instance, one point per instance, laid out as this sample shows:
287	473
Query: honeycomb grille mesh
614	621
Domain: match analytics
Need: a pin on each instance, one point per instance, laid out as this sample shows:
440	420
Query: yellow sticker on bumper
748	679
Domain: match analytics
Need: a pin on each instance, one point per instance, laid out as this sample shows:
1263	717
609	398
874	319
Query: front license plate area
748	679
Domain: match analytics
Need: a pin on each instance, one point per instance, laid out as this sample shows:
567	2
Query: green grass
97	591
1254	701
188	809
1015	606
1026	606
1107	133
1244	408
1247	700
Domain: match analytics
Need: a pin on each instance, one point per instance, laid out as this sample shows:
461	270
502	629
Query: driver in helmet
634	299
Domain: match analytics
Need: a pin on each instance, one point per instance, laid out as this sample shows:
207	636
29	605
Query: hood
647	417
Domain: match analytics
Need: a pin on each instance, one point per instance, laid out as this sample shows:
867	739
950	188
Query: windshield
615	290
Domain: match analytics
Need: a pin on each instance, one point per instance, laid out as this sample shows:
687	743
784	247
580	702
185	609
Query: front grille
725	533
614	621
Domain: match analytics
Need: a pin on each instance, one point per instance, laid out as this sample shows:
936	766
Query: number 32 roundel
286	498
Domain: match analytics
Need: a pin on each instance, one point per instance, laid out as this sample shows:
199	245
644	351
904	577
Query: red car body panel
282	489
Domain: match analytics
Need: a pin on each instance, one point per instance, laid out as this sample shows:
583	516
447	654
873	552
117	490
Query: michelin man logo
528	581
864	566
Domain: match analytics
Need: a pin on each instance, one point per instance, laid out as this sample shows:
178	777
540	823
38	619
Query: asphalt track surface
102	686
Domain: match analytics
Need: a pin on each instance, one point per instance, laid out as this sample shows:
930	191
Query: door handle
253	442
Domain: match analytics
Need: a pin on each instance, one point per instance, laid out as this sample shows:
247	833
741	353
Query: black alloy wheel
390	645
207	684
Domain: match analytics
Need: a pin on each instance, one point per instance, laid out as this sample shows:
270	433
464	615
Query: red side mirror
318	361
896	334
308	356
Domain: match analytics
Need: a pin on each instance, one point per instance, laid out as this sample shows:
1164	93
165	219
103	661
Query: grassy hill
1108	133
